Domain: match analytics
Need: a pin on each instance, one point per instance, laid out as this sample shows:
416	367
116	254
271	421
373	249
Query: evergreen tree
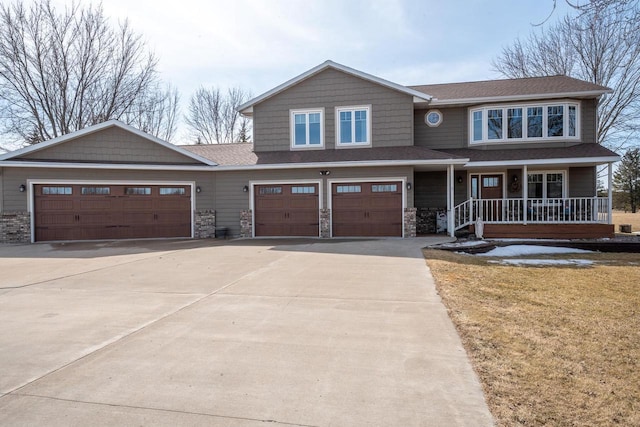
627	178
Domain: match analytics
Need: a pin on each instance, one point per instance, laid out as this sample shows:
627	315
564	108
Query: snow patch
520	250
519	261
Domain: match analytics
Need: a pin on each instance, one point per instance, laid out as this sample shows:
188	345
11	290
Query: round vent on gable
433	118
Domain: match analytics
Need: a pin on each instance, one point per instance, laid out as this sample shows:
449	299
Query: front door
491	195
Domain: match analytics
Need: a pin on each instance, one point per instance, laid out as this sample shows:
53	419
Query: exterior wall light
459	179
325	173
408	186
245	188
198	189
22	188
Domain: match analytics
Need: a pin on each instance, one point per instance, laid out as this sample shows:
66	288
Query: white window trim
525	138
480	175
440	118
544	182
292	128
369	120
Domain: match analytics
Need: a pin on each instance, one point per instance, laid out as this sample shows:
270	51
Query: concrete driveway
239	333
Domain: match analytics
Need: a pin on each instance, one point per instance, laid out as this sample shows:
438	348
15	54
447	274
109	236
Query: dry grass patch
552	346
620	217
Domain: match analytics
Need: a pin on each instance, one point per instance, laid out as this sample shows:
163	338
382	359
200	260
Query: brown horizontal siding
547	231
391	111
111	145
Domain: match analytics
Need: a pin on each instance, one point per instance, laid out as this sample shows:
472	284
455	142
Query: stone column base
15	227
205	224
325	223
246	223
410	222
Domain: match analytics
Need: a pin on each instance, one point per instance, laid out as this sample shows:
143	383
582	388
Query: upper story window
353	126
514	123
307	129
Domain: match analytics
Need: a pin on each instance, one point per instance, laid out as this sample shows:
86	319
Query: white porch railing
574	210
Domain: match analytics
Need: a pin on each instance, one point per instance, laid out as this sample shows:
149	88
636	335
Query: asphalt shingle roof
508	87
243	154
587	150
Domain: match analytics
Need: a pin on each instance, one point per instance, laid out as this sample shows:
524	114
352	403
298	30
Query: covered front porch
554	197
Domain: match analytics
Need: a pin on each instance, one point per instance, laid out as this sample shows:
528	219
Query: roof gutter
536	162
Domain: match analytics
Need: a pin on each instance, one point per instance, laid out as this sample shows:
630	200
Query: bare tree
156	112
61	71
214	118
601	45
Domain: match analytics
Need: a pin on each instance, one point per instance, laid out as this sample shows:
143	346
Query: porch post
450	200
525	192
609	194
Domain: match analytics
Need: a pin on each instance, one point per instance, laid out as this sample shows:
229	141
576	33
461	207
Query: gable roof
247	107
101	126
510	90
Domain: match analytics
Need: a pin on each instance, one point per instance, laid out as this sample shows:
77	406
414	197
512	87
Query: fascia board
509	98
534	162
245	108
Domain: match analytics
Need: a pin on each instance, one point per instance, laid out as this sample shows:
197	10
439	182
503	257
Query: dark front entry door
491	194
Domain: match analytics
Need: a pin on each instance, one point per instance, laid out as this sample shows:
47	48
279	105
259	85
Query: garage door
287	210
364	209
90	212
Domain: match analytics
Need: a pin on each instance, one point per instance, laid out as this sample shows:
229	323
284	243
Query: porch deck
570	218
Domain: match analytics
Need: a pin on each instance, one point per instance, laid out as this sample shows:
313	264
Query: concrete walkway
239	333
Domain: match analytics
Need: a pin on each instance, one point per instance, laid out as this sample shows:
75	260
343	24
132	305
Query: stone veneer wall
410	222
246	224
325	223
15	227
426	220
205	224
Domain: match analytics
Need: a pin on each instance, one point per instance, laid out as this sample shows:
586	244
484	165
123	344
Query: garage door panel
286	210
91	212
367	209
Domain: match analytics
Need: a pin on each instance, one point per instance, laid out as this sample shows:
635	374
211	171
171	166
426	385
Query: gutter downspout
525	192
450	200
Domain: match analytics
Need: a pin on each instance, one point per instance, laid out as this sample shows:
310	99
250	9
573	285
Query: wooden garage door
367	209
101	211
287	210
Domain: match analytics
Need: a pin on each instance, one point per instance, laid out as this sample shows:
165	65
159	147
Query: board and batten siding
582	182
112	144
391	111
14	200
451	133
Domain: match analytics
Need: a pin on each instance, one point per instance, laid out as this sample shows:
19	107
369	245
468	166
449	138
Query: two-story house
337	153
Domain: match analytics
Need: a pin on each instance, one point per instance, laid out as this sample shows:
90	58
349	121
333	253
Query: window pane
361	125
314	129
535	185
270	190
554	185
345	126
348	189
477	125
64	191
300	129
489	182
474	187
534	122
96	190
140	191
166	191
572	120
514	123
494	124
555	117
384	188
303	190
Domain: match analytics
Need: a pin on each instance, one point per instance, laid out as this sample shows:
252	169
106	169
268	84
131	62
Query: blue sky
259	44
